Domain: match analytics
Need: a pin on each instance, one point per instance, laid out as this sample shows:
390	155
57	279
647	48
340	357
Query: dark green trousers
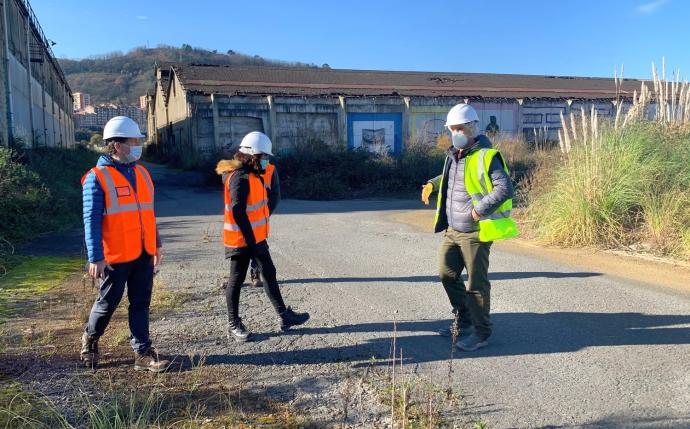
463	251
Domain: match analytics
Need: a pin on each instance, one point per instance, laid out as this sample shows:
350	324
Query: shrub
40	190
315	170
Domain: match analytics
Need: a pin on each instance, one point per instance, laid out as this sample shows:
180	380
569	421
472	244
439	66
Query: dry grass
623	183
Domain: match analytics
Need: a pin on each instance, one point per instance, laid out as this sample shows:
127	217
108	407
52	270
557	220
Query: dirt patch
641	268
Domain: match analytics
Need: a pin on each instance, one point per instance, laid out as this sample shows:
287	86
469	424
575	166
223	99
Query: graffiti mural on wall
375	140
376	132
497	118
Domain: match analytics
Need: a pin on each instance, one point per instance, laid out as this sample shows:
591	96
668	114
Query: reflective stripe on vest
268	175
498	225
129	223
257	213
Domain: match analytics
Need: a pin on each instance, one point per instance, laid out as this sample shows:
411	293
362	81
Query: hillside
122	78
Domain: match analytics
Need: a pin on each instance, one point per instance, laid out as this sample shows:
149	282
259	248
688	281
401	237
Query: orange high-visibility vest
268	175
257	212
129	222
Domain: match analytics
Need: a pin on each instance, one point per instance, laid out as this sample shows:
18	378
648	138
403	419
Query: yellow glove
426	192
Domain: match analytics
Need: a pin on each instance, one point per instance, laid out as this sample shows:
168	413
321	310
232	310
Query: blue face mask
264	163
134	153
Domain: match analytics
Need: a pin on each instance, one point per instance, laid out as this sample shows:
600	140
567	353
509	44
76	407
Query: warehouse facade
209	108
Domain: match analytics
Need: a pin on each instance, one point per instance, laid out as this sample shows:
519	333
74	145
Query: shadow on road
625	421
514	334
508	275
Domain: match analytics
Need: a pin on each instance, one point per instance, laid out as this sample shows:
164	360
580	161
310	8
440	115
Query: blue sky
547	37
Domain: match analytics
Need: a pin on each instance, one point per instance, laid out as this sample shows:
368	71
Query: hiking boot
89	351
239	332
472	343
255	278
149	361
289	318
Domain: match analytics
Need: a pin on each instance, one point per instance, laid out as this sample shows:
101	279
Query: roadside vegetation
41	193
623	183
314	170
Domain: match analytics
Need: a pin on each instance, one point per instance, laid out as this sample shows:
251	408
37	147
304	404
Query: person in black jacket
245	231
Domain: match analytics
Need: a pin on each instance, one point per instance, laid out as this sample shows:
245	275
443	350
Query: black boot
289	318
239	332
89	351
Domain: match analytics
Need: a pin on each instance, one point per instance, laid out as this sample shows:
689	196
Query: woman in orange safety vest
245	231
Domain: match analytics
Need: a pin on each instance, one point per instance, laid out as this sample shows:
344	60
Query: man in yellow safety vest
473	210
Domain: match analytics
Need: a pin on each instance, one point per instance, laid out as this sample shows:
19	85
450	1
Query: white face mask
134	153
460	140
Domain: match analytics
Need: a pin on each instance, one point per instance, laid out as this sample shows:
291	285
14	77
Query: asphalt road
570	348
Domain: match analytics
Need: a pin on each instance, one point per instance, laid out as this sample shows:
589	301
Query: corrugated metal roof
252	80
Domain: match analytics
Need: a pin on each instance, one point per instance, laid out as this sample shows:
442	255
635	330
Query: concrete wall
4	106
302	119
37	102
160	114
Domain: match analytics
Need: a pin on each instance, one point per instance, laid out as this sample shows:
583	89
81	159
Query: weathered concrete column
271	131
406	123
342	121
30	86
216	122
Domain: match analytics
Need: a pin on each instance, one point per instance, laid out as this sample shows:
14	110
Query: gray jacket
456	203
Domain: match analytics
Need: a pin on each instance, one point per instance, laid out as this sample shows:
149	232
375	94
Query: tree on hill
122	78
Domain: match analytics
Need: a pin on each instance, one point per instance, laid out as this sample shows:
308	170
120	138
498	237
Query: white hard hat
121	126
461	114
256	143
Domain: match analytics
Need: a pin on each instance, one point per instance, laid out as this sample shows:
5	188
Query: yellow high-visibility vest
498	225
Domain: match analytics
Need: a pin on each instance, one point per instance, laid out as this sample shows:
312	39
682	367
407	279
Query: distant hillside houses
91	117
211	107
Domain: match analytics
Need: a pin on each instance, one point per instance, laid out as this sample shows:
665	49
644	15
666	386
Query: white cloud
142	17
651	7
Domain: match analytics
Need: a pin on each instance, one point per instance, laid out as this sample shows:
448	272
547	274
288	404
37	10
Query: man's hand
97	269
475	215
426	192
157	257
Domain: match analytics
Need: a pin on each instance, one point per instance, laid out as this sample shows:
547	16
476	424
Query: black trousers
239	263
138	278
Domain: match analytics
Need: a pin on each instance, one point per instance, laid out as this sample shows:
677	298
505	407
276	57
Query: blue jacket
94	206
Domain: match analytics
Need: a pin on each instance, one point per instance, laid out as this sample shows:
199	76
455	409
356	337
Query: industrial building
209	108
35	99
